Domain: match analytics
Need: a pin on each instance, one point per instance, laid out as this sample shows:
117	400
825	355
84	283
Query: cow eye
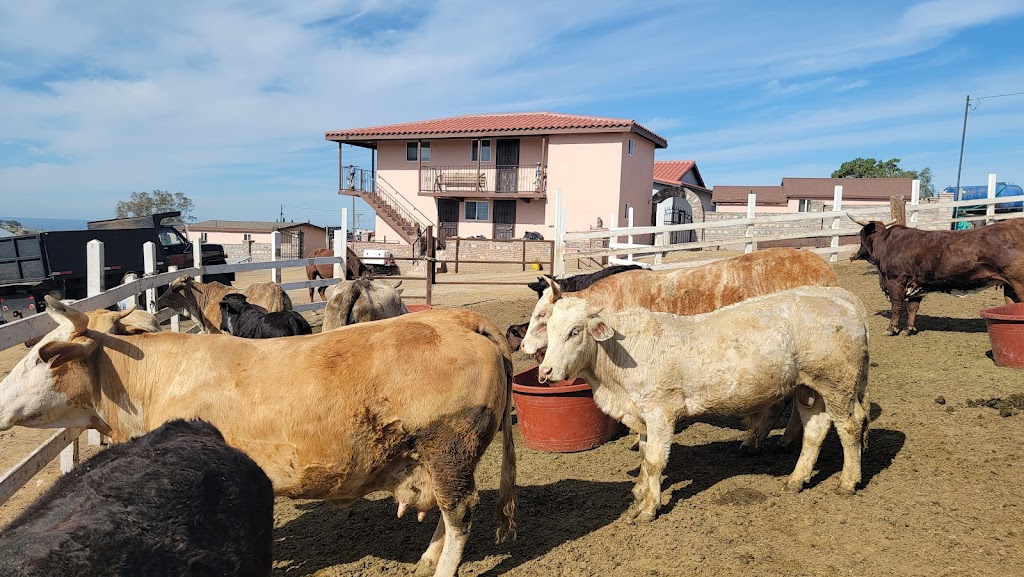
575	332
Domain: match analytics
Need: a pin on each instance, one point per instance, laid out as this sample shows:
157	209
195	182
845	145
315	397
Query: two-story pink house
495	174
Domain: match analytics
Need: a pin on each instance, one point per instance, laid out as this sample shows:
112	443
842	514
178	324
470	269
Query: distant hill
48	223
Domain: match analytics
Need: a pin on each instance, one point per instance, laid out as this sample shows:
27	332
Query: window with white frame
202	236
483	148
477	210
246	236
804	205
632	146
425	151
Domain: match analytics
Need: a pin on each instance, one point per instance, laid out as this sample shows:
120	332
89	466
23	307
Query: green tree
145	204
872	168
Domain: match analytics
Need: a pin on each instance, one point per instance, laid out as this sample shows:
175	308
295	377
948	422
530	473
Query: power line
321	209
963	134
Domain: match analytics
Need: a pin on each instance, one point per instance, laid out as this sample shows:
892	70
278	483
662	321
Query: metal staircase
388	205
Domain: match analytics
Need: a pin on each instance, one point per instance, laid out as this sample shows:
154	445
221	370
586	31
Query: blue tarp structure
980	192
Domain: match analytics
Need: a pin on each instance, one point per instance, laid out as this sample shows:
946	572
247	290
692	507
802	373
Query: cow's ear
60	352
399	291
599	329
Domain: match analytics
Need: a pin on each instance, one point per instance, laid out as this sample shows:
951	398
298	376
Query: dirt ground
941	493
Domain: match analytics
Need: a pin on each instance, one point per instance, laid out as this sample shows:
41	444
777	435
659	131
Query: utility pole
281	218
963	138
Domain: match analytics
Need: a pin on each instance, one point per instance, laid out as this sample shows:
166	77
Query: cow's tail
286	301
507	488
506	513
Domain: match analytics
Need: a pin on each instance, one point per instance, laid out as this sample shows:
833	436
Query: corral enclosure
941	491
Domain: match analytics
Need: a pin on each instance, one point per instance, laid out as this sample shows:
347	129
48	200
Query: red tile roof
672	171
496	125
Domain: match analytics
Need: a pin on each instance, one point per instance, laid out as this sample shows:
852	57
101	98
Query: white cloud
224	99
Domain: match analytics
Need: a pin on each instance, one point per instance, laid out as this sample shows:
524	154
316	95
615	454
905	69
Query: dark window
411	151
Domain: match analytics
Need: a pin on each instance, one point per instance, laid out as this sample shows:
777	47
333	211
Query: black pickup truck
54	263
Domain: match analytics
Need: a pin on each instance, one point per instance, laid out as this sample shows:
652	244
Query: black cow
913	262
176	501
242	319
515	333
580	281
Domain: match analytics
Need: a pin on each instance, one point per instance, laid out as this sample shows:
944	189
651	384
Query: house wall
404	177
636	177
733	208
588	169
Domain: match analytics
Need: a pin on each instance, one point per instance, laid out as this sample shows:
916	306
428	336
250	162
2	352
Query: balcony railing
473	180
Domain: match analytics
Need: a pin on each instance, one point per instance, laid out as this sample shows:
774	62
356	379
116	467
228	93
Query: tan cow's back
288	402
712	286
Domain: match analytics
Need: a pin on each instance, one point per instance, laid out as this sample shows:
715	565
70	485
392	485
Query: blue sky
228	101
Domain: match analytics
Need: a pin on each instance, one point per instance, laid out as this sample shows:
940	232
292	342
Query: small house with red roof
495	175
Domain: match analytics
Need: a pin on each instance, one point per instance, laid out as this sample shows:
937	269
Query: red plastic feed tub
1005	325
561	417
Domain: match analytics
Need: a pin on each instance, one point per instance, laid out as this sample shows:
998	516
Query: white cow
650	370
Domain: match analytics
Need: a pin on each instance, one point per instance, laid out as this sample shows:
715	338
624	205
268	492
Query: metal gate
447	218
504	219
292	245
507	163
678	216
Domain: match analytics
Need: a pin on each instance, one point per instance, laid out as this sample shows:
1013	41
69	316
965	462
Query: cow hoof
844	492
425	568
794	486
893	332
635	445
783	448
637	517
911	332
746	451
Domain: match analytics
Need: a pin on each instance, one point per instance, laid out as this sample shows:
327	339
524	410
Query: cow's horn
556	293
889	223
66	315
594	310
860	221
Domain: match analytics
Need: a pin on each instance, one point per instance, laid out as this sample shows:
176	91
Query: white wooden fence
65	441
833	224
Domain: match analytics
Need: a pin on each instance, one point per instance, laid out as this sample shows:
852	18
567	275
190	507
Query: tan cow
407	405
201	300
649	370
362	300
698	290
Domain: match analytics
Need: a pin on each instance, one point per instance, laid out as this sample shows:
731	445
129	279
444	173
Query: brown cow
356	268
698	290
202	300
407	405
912	262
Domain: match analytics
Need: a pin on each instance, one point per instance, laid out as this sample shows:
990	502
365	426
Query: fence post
898	209
629	237
275	251
197	256
558	268
990	209
149	267
429	261
751	203
837	205
524	258
175	319
339	249
915	201
457	256
95	279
